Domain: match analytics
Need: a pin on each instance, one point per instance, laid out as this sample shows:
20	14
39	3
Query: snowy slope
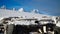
26	15
11	13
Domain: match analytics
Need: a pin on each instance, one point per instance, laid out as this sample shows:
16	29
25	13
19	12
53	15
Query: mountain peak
3	7
21	10
35	10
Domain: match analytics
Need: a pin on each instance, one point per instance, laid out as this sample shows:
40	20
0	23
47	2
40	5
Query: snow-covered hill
11	13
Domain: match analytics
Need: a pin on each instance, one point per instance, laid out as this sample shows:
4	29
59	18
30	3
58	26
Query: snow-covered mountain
19	13
5	13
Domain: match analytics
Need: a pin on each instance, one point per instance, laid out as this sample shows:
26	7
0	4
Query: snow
58	24
21	10
22	22
35	10
5	13
11	13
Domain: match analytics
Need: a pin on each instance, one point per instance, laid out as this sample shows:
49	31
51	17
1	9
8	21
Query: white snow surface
58	24
11	13
4	13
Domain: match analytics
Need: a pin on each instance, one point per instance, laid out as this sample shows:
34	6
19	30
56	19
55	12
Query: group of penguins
26	29
23	29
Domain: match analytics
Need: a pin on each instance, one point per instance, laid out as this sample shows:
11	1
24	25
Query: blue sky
49	7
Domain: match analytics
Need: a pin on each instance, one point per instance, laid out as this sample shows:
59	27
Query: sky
48	7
